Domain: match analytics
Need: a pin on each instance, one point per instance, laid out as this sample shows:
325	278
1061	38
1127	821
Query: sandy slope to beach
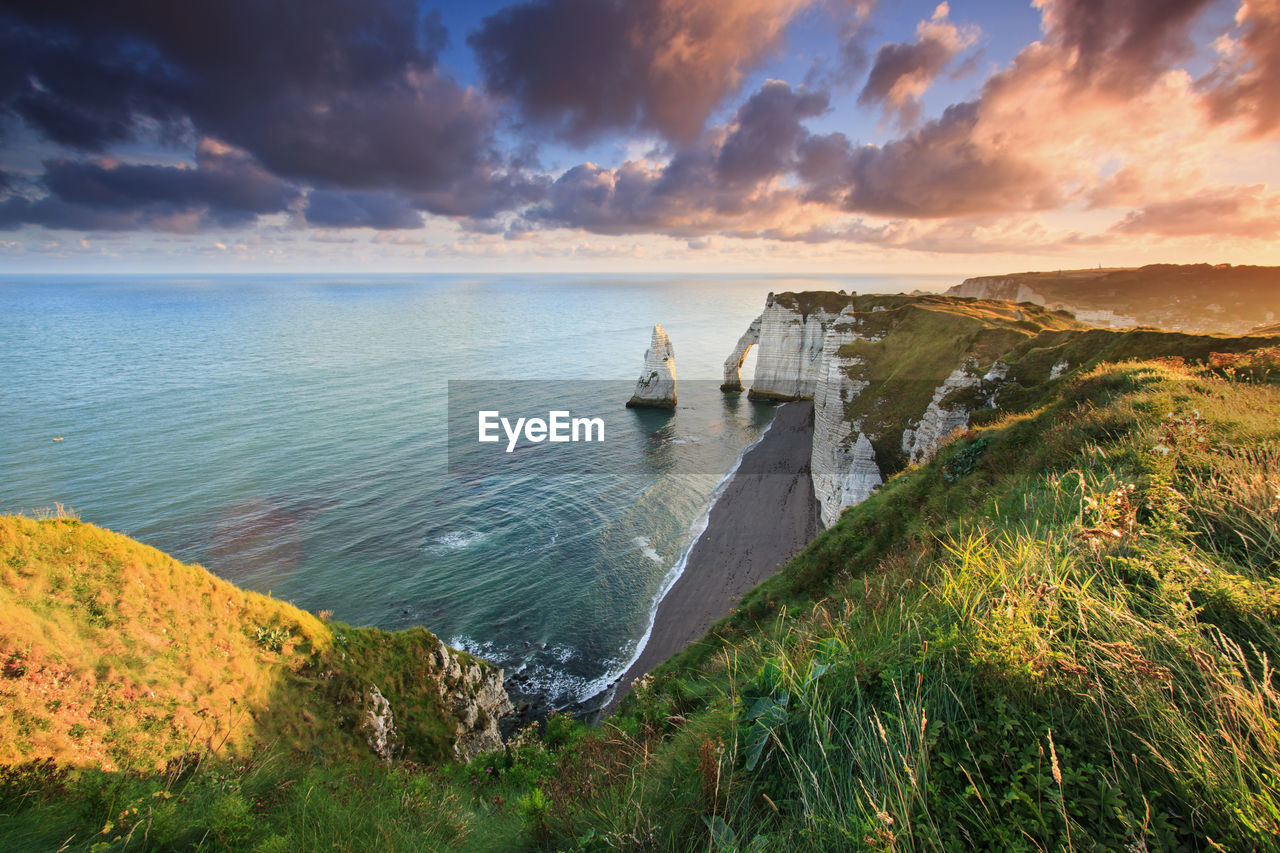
766	513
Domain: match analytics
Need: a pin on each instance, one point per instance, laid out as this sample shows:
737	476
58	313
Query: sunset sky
648	136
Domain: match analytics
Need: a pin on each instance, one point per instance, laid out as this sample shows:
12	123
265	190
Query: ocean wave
540	670
455	540
642	542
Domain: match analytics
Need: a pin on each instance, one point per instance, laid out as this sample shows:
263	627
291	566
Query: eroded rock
656	387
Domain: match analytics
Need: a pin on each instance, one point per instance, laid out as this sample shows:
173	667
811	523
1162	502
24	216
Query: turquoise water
291	435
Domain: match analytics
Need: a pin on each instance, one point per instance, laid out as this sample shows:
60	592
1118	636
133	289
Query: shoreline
764	513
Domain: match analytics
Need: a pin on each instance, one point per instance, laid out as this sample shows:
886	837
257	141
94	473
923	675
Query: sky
645	136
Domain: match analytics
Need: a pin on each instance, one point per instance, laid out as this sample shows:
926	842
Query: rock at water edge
656	387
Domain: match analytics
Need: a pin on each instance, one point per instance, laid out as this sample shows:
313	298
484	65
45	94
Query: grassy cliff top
908	346
835	302
118	656
1190	297
1058	634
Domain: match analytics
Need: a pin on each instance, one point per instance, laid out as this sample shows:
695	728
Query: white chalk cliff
733	364
656	387
996	287
799	359
843	462
789	362
939	420
805	353
1013	290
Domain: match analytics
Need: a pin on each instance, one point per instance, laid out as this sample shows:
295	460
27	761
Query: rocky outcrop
843	462
474	691
656	387
378	725
940	419
792	335
733	364
833	347
996	287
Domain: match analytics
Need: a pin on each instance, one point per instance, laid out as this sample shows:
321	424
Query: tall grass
1081	659
1070	644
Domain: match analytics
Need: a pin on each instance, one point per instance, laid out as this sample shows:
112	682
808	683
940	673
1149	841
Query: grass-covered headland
1059	634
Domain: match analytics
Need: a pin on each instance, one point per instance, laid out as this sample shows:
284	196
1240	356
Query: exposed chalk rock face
1103	318
656	387
992	380
996	287
834	347
733	364
1059	369
939	420
789	362
378	725
1013	290
475	693
843	462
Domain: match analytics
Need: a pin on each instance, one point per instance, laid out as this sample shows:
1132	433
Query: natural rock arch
733	364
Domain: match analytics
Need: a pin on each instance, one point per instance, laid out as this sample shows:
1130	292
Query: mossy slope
1059	634
116	655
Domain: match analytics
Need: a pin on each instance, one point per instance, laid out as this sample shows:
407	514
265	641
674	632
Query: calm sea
291	435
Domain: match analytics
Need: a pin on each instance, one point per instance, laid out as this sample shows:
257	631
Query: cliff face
733	364
791	338
474	692
1196	298
656	387
843	462
891	377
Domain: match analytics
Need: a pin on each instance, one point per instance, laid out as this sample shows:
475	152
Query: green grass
1059	634
146	705
119	657
1069	647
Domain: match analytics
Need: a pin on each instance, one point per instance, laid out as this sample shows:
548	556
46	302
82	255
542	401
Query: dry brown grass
116	655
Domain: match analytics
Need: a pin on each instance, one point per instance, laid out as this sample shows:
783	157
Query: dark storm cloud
53	213
726	176
935	171
1122	43
381	210
1247	81
484	194
580	67
88	68
767	130
903	71
337	93
899	62
854	37
896	62
226	188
